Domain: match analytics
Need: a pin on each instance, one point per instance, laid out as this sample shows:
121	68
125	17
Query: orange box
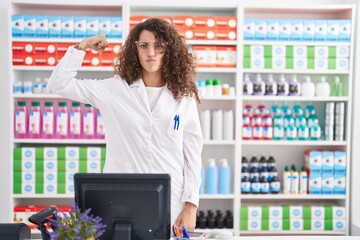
22	47
45	60
22	59
186	32
204	33
226	56
135	20
204	21
225	33
205	56
229	22
45	48
185	21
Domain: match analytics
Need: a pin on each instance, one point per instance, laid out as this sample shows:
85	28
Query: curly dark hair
178	70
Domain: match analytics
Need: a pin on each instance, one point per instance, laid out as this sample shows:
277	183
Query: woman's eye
143	46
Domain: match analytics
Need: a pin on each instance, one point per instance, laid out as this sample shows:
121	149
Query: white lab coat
139	140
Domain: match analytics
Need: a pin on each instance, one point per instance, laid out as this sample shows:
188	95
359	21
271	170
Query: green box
307	224
289	63
310	63
268	51
289	52
265	212
310	52
17	177
286	212
243	224
328	212
244	212
103	157
286	224
331	63
61	153
268	63
331	52
39	184
307	212
264	224
82	166
17	188
247	62
17	165
328	224
17	153
61	188
247	51
39	151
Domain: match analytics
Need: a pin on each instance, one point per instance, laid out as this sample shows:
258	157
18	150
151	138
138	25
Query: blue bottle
212	177
224	176
202	186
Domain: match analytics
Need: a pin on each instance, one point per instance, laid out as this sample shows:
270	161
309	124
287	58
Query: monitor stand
122	231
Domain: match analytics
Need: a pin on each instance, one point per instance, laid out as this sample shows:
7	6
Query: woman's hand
97	42
187	217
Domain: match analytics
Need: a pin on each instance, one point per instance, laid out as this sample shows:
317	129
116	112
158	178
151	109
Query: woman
148	107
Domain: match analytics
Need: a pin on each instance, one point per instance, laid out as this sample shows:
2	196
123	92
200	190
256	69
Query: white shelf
59	40
302	232
222	98
59	141
212	42
216	70
295	71
295	99
35	95
51	68
216	196
291	197
219	142
61	196
292	143
294	43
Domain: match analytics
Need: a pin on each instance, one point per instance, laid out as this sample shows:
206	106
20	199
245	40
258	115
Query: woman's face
150	52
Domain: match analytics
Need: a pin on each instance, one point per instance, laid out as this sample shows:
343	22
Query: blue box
54	26
315	162
17	25
332	30
296	30
327	184
105	25
308	30
29	26
42	26
339	184
327	167
249	29
284	29
67	27
92	26
344	30
272	30
340	163
260	29
320	30
79	27
116	27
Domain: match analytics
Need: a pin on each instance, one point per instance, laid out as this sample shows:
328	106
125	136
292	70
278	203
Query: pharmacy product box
296	224
28	188
204	33
226	22
42	26
327	163
93	153
79	27
204	21
67	27
338	212
105	25
244	212
29	26
23	48
70	189
260	29
205	56
51	153
186	32
226	56
313	162
254	212
55	26
225	33
308	30
275	212
72	153
342	51
28	177
317	224
185	21
327	184
17	25
92	26
45	48
321	63
335	225
278	51
284	29
296	212
44	60
135	20
342	63
22	60
332	33
257	51
249	29
254	224
72	165
50	177
340	163
300	63
275	224
255	62
25	153
116	27
318	212
315	183
296	30
50	188
300	51
278	63
93	166
320	30
321	51
339	184
272	30
344	30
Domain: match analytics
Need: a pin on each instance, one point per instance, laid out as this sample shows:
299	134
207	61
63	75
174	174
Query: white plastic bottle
322	88
282	86
307	87
205	119
303	181
228	125
286	181
270	86
259	85
224	177
294	180
294	86
217	124
247	85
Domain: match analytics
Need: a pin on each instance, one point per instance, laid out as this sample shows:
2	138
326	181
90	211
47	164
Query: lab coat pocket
174	132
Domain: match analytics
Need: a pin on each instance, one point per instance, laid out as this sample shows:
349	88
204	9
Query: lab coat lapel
141	92
165	98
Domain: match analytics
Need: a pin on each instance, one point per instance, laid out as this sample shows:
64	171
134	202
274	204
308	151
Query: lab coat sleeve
193	144
63	82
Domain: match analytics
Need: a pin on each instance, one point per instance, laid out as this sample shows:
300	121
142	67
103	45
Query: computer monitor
133	206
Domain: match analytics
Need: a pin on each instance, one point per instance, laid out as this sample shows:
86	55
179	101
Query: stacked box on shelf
50	170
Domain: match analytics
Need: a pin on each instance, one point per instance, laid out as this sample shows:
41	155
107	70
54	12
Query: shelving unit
232	150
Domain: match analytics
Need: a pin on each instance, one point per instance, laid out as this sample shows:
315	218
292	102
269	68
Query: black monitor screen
133	206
